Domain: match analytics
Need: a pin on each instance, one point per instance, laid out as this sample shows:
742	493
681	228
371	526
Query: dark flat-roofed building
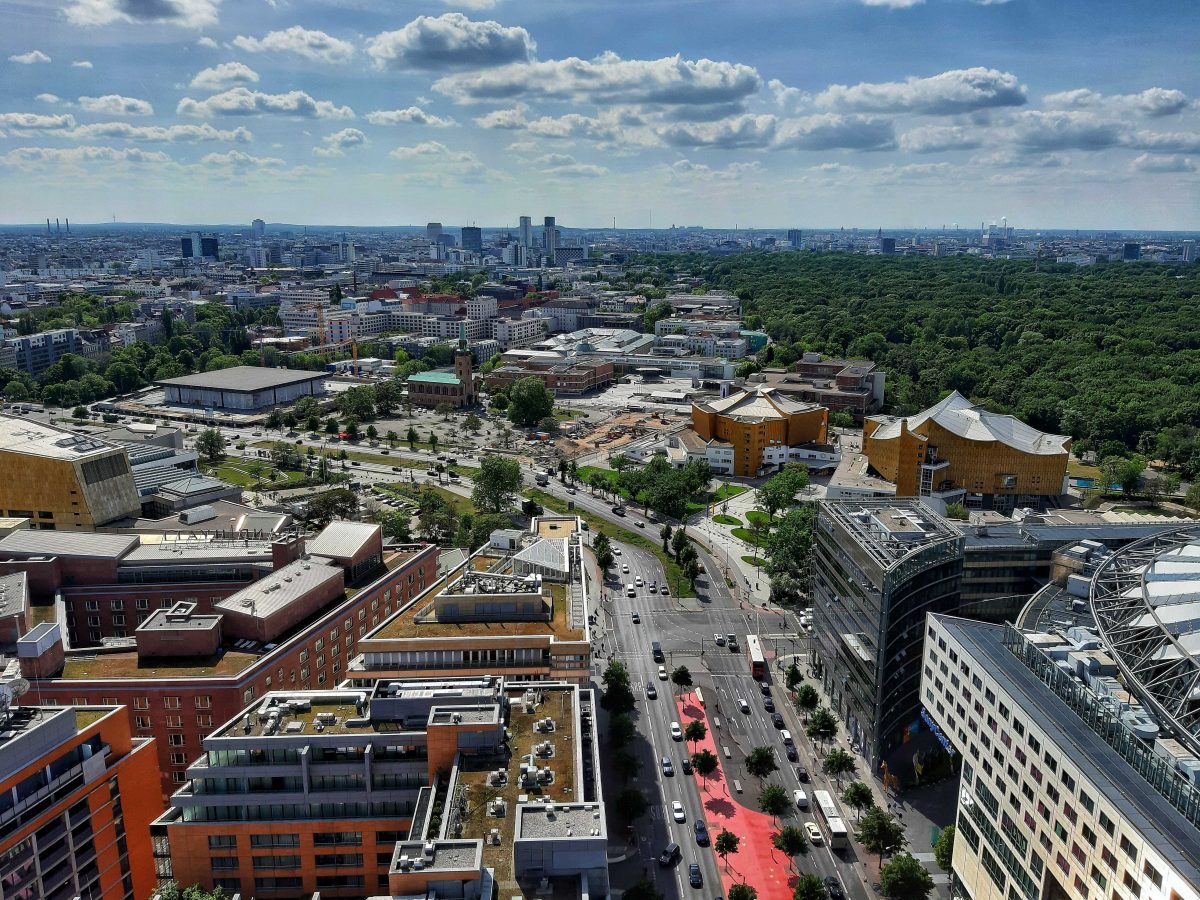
242	388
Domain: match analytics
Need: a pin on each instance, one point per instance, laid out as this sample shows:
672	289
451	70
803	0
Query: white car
677	812
662	673
624	568
638	581
743	705
616	551
813	832
676	732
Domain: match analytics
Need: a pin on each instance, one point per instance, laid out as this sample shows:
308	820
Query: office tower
257	257
258	228
1188	251
878	567
191	246
526	231
472	239
1131	251
446	240
208	247
794	236
74	813
887	246
345	250
433	231
549	236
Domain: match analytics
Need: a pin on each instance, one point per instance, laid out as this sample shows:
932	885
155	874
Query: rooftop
14	594
447	856
62	543
284	586
22	435
891	529
405	624
127	665
960	416
756	404
434	377
285	714
243	379
344	540
559	820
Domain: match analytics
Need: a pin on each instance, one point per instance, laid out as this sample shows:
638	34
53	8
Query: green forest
1109	354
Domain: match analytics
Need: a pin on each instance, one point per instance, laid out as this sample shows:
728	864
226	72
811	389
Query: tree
372	432
943	848
412	437
859	796
807	698
322	509
1192	498
904	878
627	764
350	426
810	887
290	420
392	439
397	526
760	762
790	841
496	483
331	426
779	492
679	540
274	419
444	409
312	424
80	412
211	443
643	890
743	891
879	832
726	843
433	441
631	804
774	801
531	508
172	891
695	732
621	729
654	313
665	534
792	676
472	423
681	678
838	763
529	401
957	511
691	571
822	724
549	425
358	402
618	695
705	763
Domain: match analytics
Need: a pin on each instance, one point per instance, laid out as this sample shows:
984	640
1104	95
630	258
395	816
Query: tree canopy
496	483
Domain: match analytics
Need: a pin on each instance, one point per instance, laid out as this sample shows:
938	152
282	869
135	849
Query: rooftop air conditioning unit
404	861
429	848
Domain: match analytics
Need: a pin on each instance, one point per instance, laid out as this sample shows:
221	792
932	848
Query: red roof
383	294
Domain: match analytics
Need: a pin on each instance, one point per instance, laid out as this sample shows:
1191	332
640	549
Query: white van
801	799
787	737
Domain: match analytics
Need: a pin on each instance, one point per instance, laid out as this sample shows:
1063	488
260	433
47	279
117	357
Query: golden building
61	480
762	425
957	452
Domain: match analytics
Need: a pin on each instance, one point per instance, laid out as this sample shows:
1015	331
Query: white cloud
563	165
36	121
242	101
450	41
28	59
1153	102
830	131
686	171
936	138
336	144
436	158
48	98
316	46
789	98
1166	141
1148	162
238	160
185	13
81	64
168	134
949	93
225	75
748	131
58	158
608	79
116	105
413	115
1066	130
206	41
510	119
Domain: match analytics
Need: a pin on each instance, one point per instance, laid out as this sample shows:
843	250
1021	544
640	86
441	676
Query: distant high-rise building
526	231
887	246
472	239
258	228
433	230
258	256
549	235
208	247
794	237
1131	251
190	246
1188	253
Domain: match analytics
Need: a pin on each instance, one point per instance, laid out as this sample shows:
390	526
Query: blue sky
810	113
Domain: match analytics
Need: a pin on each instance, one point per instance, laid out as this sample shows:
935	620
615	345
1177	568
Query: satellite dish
19	687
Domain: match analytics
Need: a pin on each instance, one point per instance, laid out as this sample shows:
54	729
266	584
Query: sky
790	113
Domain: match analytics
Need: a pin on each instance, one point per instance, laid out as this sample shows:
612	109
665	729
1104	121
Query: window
204	721
1127	848
259	841
118	619
179	759
1131	884
277	862
141	721
142	603
1086	802
278	883
91	605
176	740
337	838
1153	874
222	841
174	721
170	703
178	777
116	604
223	863
204	702
1106	824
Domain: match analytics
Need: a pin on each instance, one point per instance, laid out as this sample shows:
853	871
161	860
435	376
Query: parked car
768	703
777	720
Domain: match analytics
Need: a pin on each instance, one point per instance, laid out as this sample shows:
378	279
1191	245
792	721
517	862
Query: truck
542	479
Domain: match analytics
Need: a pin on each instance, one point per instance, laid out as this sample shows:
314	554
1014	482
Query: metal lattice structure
1146	603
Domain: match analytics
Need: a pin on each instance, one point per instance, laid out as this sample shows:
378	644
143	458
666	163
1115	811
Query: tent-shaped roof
959	416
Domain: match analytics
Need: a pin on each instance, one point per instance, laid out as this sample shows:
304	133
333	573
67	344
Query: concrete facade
242	388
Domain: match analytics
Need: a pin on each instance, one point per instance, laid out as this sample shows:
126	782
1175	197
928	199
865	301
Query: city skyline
907	113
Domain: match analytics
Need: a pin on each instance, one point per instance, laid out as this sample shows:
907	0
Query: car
790	753
743	705
833	888
637	620
668	769
571	491
768	703
662	673
765	689
695	879
669	855
651	690
624	568
640	524
616	551
385	451
676	732
802	773
814	833
397	469
618	510
653	586
686	765
677	812
777	720
718	640
701	833
663	589
355	462
638	581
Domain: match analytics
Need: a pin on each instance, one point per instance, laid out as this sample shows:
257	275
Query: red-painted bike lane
757	862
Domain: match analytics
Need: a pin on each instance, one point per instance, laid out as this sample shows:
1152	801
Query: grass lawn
747	535
39	614
758	517
1077	469
754	560
728	520
1150	511
675	578
457	502
236	472
728	491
